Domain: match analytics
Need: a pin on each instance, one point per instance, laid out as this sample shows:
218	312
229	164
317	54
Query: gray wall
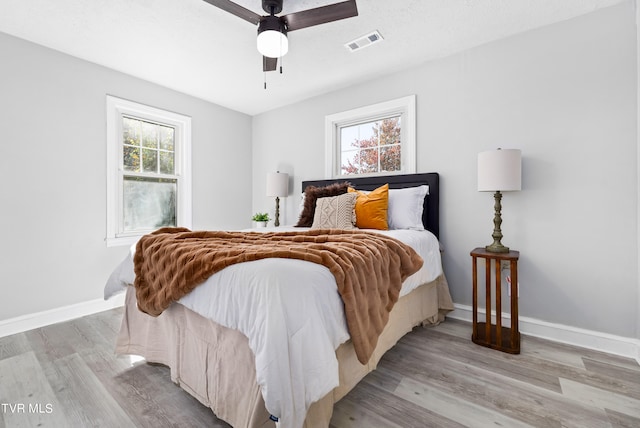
564	94
53	173
638	157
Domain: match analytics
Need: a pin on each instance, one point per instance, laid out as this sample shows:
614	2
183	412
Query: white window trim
116	108
405	107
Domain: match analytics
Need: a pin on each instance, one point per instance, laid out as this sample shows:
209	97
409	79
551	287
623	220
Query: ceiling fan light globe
273	44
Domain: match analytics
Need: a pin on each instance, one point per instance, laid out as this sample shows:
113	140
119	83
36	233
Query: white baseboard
618	345
53	316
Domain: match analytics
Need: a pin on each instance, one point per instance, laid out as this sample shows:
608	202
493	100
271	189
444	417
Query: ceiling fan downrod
272	7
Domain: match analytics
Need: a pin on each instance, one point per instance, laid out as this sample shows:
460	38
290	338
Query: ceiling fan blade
320	15
236	9
269	64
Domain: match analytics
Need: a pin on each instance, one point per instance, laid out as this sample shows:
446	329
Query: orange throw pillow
371	208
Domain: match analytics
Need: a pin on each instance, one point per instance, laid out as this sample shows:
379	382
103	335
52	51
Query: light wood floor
66	375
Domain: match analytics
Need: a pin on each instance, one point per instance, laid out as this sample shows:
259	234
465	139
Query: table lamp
277	185
499	171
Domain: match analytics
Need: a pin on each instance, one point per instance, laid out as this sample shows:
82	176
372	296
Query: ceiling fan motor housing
272	23
272	37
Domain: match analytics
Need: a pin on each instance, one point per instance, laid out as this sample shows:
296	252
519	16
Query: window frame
404	107
117	108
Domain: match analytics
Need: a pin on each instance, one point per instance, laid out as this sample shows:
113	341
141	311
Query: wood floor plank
522	367
52	342
129	387
86	401
546	349
525	367
13	345
530	403
600	356
613	370
600	398
453	407
148	391
350	414
98	330
572	351
620	420
454	327
387	405
26	398
111	320
550	351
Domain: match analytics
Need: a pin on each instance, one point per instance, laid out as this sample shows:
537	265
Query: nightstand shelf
496	336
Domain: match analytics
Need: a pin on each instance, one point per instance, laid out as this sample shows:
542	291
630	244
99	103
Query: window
373	140
148	170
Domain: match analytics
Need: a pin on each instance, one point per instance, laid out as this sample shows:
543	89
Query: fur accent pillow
311	193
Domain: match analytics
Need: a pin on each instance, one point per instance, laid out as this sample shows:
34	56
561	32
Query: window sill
122	241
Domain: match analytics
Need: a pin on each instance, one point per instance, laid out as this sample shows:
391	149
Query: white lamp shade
277	184
500	170
273	44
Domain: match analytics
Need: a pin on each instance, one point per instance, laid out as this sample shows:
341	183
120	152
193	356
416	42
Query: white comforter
293	316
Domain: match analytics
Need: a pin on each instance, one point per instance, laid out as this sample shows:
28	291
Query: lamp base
496	248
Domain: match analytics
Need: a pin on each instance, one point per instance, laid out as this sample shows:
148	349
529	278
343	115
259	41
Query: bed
210	350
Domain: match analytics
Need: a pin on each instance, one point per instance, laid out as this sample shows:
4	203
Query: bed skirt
216	366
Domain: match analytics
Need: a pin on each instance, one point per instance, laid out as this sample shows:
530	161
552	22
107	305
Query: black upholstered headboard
431	212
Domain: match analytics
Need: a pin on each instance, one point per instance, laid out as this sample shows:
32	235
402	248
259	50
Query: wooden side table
484	333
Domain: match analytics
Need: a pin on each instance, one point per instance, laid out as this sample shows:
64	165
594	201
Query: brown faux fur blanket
369	268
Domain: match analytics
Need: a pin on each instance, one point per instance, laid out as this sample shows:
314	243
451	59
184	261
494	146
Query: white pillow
405	207
335	212
301	205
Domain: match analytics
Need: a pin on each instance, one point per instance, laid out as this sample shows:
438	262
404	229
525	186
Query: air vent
364	41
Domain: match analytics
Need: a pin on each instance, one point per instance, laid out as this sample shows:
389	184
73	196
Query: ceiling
200	50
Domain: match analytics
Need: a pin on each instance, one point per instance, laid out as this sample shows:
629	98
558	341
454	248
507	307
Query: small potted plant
261	219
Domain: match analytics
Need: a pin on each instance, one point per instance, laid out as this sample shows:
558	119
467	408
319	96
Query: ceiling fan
272	30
